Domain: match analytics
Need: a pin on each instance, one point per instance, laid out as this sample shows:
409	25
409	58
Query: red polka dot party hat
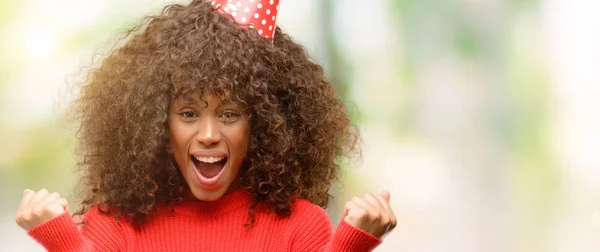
258	14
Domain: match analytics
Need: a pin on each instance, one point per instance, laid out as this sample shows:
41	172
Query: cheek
178	139
244	140
239	139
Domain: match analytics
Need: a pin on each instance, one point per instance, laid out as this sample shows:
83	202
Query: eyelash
184	113
188	115
232	115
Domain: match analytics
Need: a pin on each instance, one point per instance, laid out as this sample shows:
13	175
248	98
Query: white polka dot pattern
253	16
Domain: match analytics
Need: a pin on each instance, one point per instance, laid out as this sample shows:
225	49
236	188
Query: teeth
209	159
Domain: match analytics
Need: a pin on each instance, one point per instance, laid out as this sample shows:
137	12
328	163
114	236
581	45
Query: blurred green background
480	116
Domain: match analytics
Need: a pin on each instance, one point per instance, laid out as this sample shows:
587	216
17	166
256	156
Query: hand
371	214
39	207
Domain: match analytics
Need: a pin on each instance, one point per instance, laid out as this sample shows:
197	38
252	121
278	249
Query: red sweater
206	226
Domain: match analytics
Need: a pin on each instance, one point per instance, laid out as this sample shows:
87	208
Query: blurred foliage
535	173
42	156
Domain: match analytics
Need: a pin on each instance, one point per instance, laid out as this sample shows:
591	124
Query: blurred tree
510	89
336	64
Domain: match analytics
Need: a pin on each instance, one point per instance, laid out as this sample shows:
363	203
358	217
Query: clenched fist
38	207
371	214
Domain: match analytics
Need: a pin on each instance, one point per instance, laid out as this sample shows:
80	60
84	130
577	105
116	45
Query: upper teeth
209	159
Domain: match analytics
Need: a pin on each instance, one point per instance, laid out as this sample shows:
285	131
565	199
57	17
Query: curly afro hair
298	126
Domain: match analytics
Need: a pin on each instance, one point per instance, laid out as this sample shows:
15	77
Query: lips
209	167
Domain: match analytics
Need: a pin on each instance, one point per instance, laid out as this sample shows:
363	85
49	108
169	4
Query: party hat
258	14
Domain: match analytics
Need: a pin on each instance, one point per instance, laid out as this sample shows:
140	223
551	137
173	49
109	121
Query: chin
205	195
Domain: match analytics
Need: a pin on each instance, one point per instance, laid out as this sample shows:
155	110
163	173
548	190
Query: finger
374	202
49	199
353	213
64	203
386	195
27	194
348	206
346	209
37	197
388	209
57	207
366	206
66	206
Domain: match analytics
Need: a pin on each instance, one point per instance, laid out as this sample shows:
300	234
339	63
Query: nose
209	132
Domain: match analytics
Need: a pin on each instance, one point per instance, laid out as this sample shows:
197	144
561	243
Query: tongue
209	170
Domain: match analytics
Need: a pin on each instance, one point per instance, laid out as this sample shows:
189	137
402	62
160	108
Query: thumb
346	210
386	195
64	204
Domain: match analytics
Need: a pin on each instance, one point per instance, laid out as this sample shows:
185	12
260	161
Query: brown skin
38	207
297	127
208	127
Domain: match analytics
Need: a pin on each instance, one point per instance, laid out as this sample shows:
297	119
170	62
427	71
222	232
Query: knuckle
55	211
377	216
386	222
24	219
27	193
63	201
38	212
25	216
362	213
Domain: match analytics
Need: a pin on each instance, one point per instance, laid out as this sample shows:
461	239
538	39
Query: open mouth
209	167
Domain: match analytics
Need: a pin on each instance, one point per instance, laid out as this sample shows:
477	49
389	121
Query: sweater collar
227	203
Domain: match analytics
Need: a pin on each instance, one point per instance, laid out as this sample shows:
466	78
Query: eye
188	115
229	116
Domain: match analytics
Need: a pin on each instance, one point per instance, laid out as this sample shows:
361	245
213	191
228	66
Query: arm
365	221
314	233
46	219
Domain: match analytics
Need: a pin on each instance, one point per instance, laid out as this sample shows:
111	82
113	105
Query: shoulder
312	227
104	217
305	208
307	215
305	204
98	212
107	229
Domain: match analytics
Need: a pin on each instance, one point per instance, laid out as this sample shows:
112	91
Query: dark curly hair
298	127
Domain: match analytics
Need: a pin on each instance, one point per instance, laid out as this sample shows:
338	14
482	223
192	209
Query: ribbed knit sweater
206	226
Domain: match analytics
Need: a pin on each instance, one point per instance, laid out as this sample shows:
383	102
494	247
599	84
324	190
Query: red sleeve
101	233
314	233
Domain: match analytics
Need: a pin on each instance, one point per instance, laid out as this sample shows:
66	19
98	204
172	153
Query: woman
209	130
